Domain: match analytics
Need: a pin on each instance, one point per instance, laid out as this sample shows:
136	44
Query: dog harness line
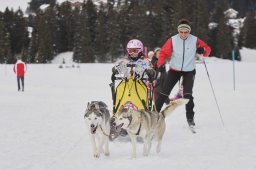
104	132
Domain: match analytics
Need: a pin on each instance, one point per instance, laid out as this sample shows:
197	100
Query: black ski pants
188	82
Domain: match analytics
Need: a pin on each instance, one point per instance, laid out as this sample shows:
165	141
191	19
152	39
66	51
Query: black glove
162	69
151	74
114	72
200	50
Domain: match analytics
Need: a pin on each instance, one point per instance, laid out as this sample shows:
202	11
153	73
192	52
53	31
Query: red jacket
20	68
166	51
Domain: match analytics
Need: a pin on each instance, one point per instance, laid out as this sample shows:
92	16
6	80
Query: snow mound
64	58
248	55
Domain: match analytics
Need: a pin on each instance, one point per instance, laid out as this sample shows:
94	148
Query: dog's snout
92	126
114	123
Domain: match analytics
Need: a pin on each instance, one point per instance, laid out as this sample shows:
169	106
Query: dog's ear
88	106
95	106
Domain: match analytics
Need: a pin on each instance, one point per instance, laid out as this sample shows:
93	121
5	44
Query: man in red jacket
181	49
20	69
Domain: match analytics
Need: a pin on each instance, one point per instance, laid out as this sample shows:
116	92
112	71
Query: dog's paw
96	154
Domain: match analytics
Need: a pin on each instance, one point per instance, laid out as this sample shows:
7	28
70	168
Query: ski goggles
133	50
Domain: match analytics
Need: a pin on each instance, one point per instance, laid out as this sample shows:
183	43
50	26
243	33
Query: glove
114	70
151	74
200	50
162	69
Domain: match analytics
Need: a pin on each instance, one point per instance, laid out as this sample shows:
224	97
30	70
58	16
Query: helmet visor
133	51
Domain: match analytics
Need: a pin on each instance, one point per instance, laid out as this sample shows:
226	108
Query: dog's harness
104	132
138	132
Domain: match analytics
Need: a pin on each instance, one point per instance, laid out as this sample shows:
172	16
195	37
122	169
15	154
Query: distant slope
67	57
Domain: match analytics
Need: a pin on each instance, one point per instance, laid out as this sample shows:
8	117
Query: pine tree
45	41
19	34
34	41
77	55
91	18
250	27
101	42
9	41
125	25
225	41
83	51
115	34
1	41
151	28
169	16
221	38
66	21
200	19
8	57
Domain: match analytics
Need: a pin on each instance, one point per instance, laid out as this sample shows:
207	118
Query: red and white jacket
20	68
182	53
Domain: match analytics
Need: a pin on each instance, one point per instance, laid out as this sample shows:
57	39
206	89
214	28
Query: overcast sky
15	4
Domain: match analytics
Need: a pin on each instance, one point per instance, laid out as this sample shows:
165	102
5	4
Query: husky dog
97	118
145	124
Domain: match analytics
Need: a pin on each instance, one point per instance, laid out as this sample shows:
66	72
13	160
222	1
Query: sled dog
97	118
146	124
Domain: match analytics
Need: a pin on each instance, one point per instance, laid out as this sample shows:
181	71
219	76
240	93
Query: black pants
22	82
188	82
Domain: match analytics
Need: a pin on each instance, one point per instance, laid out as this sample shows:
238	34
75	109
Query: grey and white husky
97	118
145	124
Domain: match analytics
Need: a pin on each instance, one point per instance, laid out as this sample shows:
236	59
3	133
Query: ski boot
191	122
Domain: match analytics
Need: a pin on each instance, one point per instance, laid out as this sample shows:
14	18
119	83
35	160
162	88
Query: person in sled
135	53
181	49
134	66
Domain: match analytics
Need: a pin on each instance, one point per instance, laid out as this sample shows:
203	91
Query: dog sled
132	86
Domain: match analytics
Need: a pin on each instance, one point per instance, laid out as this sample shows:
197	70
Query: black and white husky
145	124
97	118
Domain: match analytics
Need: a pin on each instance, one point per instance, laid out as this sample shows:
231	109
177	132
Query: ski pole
213	91
234	76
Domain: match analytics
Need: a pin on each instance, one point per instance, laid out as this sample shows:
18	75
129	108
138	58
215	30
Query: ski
192	129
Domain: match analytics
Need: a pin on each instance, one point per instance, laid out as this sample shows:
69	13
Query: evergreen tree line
100	33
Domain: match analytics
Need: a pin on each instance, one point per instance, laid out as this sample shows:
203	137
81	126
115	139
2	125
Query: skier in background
20	69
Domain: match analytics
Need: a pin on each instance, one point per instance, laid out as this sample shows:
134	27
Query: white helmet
135	48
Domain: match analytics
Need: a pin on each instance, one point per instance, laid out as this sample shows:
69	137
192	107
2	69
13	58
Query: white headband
184	26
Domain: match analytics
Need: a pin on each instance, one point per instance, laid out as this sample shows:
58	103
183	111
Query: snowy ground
43	128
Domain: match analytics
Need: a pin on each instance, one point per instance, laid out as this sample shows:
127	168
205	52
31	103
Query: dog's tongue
119	128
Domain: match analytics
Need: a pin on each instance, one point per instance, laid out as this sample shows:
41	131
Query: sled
131	87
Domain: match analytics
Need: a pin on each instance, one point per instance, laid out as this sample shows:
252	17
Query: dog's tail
172	106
